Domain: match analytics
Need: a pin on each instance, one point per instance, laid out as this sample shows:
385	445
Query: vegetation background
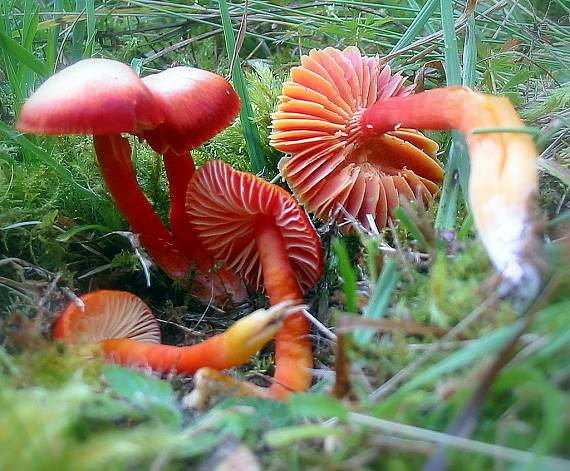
478	361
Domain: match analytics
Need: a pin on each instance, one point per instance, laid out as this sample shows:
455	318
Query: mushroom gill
331	161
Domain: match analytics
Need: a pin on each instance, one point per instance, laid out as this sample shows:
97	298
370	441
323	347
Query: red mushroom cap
197	105
333	160
224	204
92	96
107	315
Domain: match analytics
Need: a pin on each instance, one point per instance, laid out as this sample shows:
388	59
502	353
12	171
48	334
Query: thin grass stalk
247	117
420	21
457	168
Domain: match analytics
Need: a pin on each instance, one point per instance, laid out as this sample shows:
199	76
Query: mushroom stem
180	169
114	156
293	352
231	348
169	358
503	181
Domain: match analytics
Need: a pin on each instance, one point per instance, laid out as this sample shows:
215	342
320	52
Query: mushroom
105	98
197	105
257	230
331	162
128	333
503	180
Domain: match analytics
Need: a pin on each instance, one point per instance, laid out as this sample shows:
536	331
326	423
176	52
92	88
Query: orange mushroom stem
503	181
128	333
259	232
293	352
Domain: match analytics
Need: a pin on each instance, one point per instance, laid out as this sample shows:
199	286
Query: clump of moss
263	88
449	291
53	364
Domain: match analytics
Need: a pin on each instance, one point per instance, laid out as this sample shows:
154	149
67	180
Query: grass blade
381	295
348	275
457	168
79	32
412	228
90	12
23	55
247	118
420	21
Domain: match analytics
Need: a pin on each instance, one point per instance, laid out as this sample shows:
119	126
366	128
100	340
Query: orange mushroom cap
224	206
105	315
197	105
332	162
92	96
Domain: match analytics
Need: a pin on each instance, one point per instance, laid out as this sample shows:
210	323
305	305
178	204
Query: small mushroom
331	162
257	230
128	333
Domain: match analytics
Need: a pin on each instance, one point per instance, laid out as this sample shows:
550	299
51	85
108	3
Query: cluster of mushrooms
347	125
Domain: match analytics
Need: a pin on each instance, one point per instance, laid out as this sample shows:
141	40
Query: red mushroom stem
179	171
293	352
439	109
114	155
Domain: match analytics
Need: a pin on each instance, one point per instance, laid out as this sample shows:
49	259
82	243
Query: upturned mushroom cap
107	315
224	205
197	105
92	96
332	162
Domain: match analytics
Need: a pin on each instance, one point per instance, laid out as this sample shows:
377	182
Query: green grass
60	232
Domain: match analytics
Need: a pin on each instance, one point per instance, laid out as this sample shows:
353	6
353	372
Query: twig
181	44
459	443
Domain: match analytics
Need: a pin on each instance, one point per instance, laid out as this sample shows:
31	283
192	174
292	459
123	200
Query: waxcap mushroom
330	161
259	231
224	206
197	105
107	314
126	331
92	96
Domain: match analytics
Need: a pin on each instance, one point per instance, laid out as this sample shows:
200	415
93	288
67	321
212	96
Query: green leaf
23	55
78	229
151	394
317	406
348	275
476	350
247	118
516	80
381	295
